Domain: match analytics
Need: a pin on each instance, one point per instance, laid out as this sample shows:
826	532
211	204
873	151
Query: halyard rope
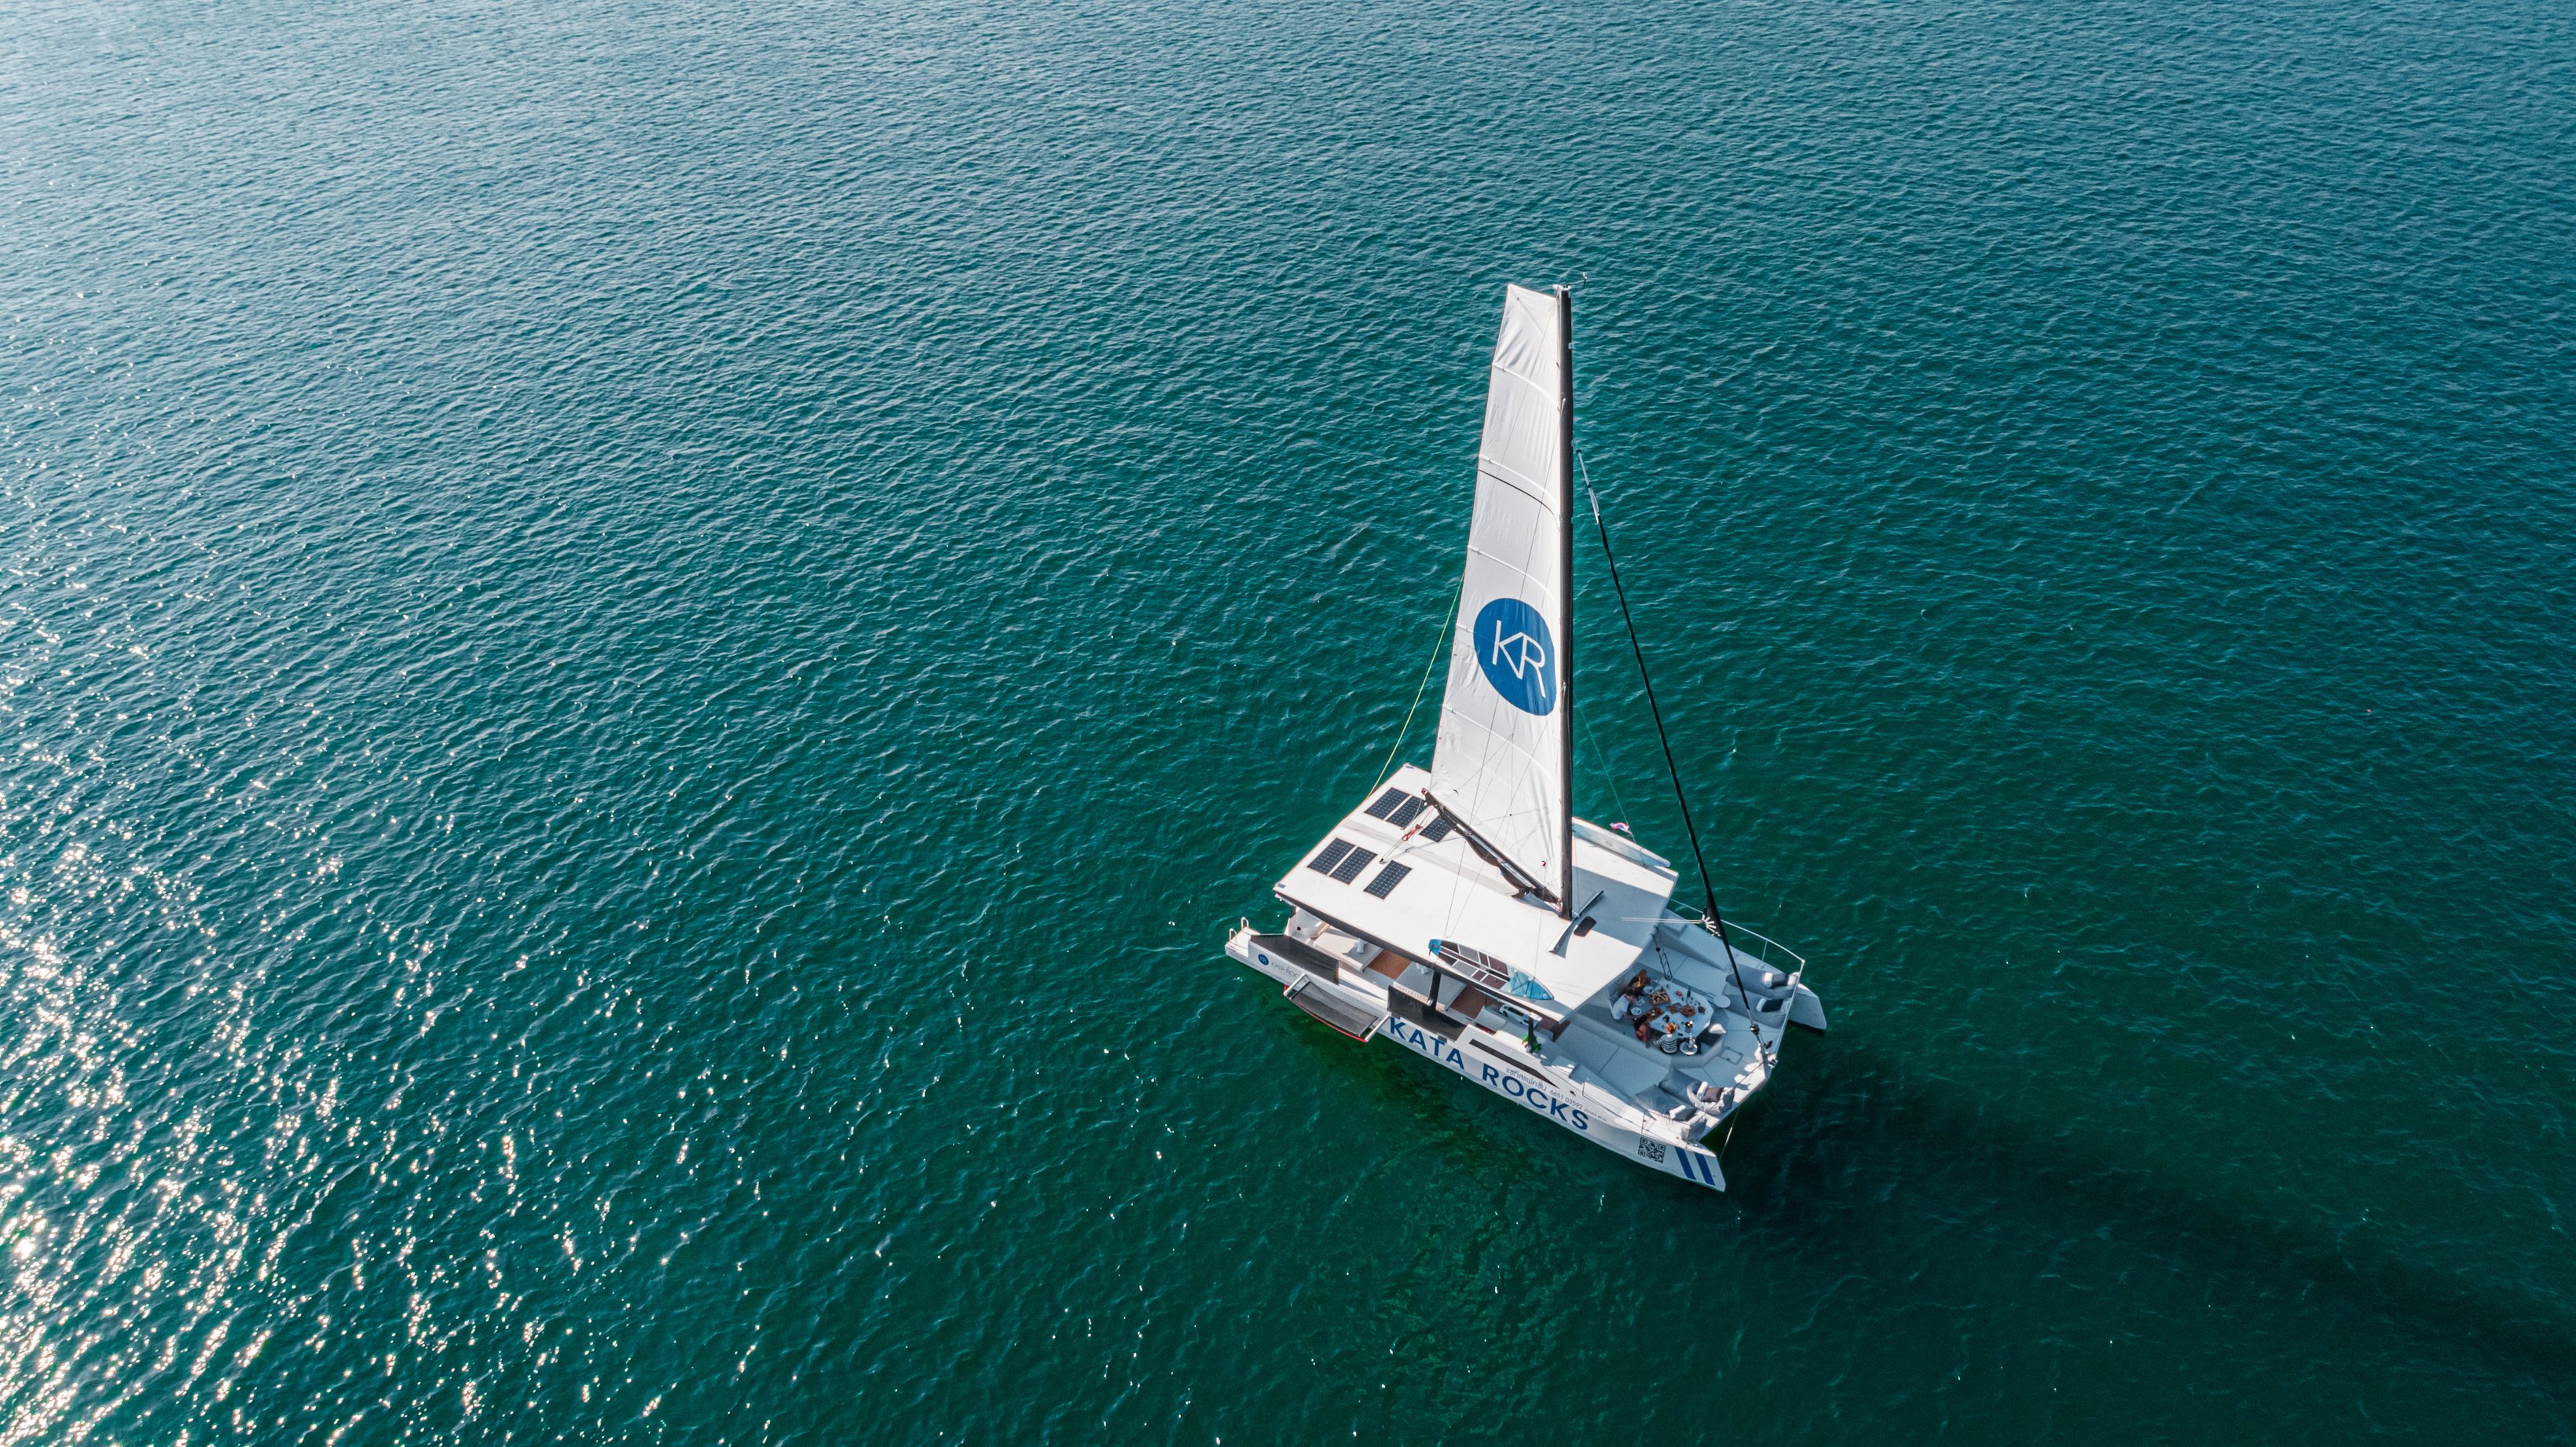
1387	771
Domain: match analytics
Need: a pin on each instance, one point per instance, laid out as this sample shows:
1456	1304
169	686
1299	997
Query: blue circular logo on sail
1518	654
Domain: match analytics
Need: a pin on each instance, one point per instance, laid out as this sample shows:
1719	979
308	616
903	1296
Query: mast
1565	572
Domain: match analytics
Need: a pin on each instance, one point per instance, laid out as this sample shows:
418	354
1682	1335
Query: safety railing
1751	944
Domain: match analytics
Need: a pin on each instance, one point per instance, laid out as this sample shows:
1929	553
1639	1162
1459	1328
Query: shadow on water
1843	1120
1862	1107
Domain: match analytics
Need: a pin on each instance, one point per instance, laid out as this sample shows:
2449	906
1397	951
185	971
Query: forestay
1501	767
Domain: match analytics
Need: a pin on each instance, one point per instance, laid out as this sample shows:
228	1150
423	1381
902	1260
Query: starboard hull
1566	1104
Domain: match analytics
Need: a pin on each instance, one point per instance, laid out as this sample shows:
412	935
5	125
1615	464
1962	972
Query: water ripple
644	649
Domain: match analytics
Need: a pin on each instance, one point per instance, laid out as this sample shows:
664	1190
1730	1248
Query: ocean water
645	649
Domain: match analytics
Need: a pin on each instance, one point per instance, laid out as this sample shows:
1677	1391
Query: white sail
1501	766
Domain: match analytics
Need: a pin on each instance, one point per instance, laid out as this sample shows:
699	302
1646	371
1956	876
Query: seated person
1632	998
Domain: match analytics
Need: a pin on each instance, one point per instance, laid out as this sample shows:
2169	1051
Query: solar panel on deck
1405	812
1323	863
1350	867
1437	830
1388	878
1385	804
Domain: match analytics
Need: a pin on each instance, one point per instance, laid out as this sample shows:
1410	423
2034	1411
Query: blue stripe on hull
1701	1167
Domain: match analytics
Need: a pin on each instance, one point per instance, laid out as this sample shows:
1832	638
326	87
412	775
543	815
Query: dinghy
1463	913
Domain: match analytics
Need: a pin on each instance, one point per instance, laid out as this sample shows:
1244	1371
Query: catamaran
1465	914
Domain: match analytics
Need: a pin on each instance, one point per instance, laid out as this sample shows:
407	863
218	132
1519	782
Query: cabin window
1475	964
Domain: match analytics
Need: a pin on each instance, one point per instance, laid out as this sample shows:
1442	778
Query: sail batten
1501	767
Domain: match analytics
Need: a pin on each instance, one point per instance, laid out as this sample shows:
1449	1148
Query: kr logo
1517	654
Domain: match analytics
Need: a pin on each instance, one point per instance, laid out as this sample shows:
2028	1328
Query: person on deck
1632	999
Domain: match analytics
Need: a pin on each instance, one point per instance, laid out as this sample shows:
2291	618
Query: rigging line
1388	771
1708	891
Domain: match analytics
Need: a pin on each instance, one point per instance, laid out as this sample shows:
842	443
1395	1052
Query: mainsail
1503	765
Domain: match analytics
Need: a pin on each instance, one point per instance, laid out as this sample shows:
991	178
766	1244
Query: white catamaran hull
1489	1060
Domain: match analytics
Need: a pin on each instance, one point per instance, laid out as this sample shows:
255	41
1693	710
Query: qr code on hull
1652	1150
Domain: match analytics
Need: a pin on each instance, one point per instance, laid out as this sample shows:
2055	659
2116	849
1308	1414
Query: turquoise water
647	648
